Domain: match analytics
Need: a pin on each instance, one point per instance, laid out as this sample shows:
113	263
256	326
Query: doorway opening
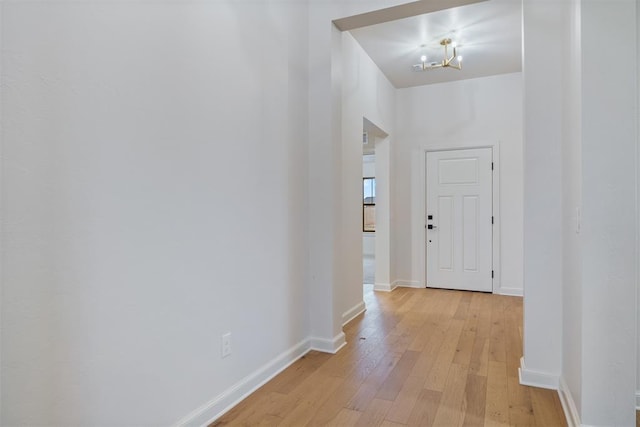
375	207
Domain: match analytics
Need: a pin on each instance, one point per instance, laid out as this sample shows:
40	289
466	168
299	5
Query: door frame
495	154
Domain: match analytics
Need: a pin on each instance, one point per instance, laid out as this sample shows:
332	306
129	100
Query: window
369	204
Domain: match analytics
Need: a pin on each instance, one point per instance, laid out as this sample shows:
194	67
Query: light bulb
459	58
423	58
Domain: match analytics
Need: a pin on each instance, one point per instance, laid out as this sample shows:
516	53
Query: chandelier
446	62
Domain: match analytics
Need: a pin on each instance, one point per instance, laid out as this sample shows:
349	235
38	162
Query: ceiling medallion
447	62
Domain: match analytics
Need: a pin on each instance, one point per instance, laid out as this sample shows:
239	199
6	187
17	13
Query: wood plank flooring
417	357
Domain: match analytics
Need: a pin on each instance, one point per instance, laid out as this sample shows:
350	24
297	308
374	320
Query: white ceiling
489	36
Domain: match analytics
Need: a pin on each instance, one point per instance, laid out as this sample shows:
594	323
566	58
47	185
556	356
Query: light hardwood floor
417	357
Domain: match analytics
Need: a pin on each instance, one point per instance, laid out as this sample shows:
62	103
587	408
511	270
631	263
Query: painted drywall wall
467	113
609	212
368	244
543	26
638	224
369	165
154	197
575	112
572	211
1	203
325	277
366	92
384	202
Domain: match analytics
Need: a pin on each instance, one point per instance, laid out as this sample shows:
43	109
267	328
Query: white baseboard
568	405
222	403
637	400
384	287
512	292
329	346
536	378
407	284
353	312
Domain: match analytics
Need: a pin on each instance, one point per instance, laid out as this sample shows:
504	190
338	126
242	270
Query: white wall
326	277
543	26
572	204
1	201
366	92
483	111
369	165
609	257
384	202
581	133
154	197
638	225
126	245
369	244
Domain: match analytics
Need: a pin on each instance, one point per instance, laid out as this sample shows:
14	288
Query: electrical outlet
226	344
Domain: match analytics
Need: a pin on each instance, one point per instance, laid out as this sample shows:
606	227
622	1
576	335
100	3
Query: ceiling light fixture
454	61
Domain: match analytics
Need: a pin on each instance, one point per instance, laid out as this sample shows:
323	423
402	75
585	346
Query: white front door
459	219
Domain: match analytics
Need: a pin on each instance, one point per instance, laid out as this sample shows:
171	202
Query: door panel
445	245
458	171
459	239
470	233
